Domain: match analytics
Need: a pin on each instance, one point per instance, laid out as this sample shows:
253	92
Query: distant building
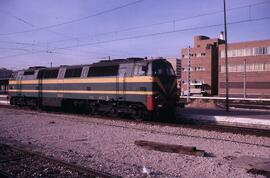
5	74
176	64
203	73
248	68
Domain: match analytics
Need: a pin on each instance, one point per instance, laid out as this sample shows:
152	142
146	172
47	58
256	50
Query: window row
249	67
76	72
247	52
194	82
194	55
96	71
196	68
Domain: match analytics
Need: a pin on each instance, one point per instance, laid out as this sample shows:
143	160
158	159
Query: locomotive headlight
158	100
157	97
159	105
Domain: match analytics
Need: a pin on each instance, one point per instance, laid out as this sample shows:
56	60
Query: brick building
176	64
203	67
248	68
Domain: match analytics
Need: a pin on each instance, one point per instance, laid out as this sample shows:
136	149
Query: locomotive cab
165	97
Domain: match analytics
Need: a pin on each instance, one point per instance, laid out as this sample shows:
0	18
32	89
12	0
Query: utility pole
226	58
51	64
245	78
188	75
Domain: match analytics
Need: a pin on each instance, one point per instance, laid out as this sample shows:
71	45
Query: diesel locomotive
135	86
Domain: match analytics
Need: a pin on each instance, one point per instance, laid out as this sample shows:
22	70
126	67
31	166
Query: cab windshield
163	69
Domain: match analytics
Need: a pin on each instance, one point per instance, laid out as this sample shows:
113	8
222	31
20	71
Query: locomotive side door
125	71
60	83
40	87
19	83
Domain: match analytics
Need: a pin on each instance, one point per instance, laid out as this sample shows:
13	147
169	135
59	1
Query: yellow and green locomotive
133	86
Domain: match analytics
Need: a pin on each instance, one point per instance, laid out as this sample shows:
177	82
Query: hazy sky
37	32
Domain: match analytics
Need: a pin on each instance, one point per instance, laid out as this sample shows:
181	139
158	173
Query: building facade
200	67
248	69
176	64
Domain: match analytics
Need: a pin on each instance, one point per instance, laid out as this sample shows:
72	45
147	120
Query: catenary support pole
245	78
188	76
226	58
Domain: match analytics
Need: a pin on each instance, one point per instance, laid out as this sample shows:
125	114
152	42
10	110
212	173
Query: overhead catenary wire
48	30
144	26
126	29
32	25
118	39
137	27
33	51
163	33
160	23
75	20
144	36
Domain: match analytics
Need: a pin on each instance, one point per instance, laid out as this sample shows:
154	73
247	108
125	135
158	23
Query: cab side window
125	70
140	69
160	69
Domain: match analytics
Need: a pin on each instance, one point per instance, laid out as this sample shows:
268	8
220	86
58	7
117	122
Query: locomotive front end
164	87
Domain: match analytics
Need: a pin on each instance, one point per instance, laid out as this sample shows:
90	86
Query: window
170	71
73	72
199	68
222	69
29	72
163	69
267	67
140	69
222	54
258	67
184	56
249	67
240	68
186	69
49	73
100	71
247	52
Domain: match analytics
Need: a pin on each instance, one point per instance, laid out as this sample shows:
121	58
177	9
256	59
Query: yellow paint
88	80
87	92
143	79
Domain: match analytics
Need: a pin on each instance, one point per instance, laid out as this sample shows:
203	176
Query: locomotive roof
100	63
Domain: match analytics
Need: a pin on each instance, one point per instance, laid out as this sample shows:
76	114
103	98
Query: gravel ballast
108	145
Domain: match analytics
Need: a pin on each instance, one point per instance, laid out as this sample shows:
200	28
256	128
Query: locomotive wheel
113	112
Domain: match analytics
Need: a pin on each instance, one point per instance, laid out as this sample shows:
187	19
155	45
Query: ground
108	145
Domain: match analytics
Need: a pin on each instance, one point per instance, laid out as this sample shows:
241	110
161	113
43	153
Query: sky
68	32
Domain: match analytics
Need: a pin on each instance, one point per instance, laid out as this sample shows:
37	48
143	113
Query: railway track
15	162
146	128
176	124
